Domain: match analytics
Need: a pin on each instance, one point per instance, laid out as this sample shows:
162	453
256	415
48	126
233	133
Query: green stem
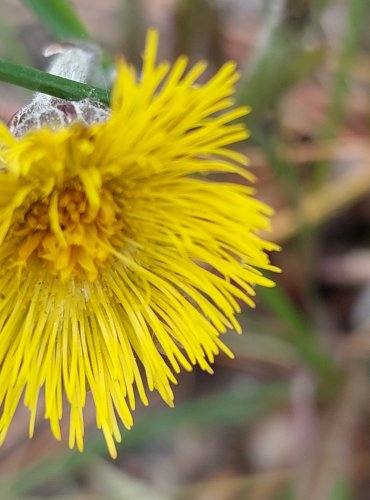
40	81
59	18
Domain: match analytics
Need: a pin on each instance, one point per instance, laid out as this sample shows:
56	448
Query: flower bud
77	62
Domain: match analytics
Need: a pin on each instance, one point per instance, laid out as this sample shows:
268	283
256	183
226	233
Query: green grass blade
59	19
40	81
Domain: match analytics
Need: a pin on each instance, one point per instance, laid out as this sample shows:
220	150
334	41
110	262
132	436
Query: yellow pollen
68	235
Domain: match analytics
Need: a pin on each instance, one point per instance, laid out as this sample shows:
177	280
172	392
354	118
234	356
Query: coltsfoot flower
121	263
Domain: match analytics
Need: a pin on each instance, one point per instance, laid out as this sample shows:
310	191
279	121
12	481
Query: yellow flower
120	262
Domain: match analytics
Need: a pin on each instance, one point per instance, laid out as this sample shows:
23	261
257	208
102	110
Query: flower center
70	236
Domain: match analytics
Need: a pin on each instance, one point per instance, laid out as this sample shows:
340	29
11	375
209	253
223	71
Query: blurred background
289	418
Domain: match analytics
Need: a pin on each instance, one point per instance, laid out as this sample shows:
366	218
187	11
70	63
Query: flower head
120	261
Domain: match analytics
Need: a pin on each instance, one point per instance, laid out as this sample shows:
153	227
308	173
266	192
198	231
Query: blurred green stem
279	61
59	19
337	105
198	30
303	339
